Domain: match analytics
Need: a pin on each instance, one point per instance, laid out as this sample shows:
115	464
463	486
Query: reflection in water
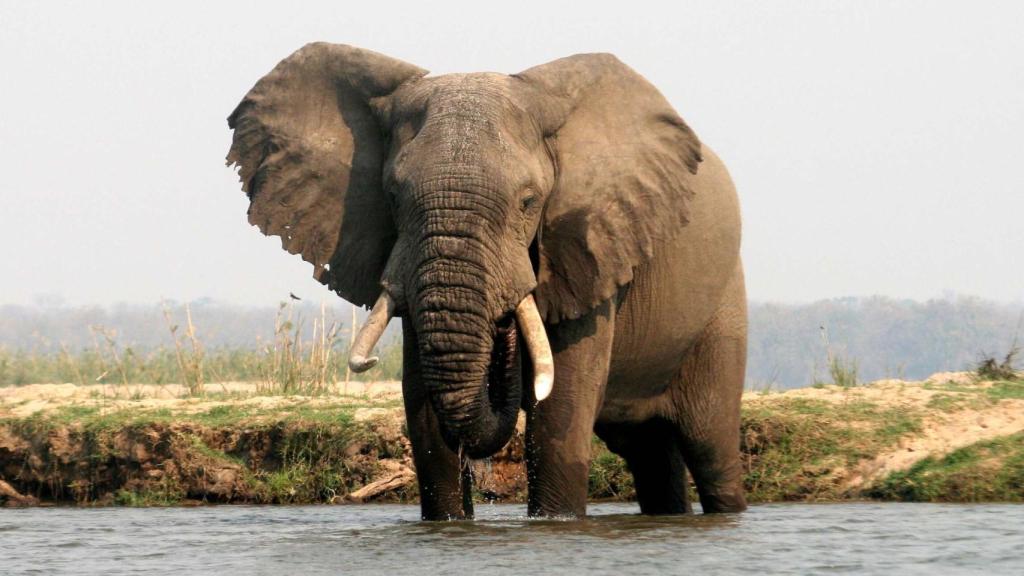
608	526
862	538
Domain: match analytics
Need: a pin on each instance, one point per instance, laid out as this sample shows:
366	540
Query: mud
60	444
184	463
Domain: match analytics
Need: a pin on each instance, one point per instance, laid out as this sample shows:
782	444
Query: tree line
790	345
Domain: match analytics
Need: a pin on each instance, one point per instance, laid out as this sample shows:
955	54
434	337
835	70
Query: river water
857	538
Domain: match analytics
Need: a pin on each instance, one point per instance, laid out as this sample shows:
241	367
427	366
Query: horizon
332	300
788	344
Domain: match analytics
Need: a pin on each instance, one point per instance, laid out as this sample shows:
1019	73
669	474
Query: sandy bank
142	445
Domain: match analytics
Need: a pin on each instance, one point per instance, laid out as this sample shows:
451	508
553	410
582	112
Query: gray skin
459	195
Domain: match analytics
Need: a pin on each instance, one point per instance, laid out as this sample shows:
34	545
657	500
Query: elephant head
477	206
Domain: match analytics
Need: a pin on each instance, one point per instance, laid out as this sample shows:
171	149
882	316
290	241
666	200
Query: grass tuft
988	471
842	370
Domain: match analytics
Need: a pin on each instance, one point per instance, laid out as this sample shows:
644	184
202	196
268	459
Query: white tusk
537	344
370	333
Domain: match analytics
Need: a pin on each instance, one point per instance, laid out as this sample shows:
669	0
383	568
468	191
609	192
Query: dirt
24	401
282	449
941	436
292	449
943	431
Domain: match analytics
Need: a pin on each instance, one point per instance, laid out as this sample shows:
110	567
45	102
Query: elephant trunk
469	363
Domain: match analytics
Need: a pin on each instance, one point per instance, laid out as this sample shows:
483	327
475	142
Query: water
860	538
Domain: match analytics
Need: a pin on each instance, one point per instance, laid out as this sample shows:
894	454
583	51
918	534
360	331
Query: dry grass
190	361
843	371
289	364
297	367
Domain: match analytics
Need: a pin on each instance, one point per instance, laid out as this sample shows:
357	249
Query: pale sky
878	147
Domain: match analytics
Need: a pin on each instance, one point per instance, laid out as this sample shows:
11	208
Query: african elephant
566	212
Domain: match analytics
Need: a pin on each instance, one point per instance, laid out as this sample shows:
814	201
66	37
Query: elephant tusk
537	343
370	333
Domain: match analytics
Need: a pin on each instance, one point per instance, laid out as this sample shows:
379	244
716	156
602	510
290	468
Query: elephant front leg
559	429
437	467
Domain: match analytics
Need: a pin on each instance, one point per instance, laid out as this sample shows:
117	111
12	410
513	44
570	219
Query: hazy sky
878	147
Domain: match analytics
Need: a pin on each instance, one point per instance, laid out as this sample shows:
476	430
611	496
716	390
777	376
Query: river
856	538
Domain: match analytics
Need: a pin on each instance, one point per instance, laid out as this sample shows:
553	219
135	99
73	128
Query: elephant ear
310	155
625	161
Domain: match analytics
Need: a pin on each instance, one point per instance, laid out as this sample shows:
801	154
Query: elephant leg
437	467
559	429
706	396
654	456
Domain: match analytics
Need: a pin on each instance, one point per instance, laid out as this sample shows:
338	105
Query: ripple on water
862	538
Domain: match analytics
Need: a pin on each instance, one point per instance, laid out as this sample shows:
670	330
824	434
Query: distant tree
885	337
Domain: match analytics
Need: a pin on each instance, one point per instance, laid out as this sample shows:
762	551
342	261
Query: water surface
858	538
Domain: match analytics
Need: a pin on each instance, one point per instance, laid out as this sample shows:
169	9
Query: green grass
1006	389
987	471
954	396
609	478
220	416
797	449
227	416
165	493
843	372
201	447
310	466
794	449
75	413
89	418
950	402
316	452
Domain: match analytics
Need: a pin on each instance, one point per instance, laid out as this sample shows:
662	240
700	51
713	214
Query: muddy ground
950	438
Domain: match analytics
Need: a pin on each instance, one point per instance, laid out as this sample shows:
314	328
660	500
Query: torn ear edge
310	151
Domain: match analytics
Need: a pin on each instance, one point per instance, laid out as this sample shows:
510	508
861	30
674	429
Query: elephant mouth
526	320
504	366
477	410
487	416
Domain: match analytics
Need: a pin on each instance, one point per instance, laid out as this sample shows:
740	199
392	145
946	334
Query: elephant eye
529	198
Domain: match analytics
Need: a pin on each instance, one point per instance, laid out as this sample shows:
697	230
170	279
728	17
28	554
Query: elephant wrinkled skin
563	222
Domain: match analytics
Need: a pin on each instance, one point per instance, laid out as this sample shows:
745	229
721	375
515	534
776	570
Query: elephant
561	227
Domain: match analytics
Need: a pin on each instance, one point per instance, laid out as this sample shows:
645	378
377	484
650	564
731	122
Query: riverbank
951	438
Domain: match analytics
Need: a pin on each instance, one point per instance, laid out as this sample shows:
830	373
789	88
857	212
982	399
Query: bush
989	368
